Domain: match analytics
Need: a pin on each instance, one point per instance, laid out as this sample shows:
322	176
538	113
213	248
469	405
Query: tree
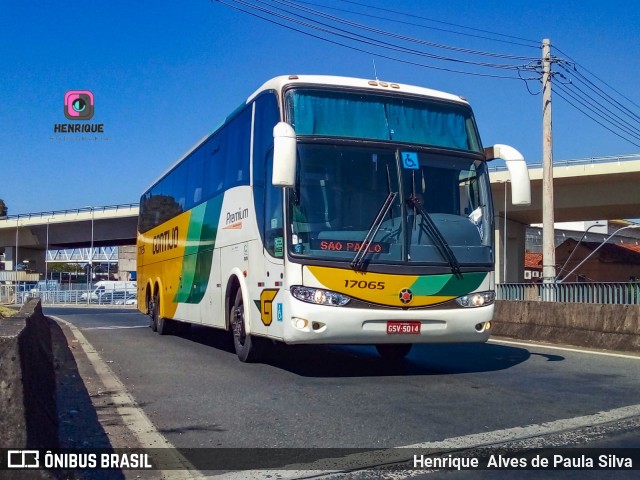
65	267
3	208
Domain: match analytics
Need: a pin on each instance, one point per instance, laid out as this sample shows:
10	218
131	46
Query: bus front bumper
309	323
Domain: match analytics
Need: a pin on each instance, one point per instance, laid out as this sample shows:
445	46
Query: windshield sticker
278	244
410	160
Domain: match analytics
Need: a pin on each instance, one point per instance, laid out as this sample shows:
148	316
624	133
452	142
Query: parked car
128	299
106	286
115	297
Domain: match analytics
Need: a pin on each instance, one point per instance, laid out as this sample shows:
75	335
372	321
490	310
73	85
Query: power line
598	91
604	109
349	36
602	113
333	30
532	43
595	120
575	63
295	4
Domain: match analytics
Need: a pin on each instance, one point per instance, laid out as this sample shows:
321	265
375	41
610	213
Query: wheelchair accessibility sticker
410	160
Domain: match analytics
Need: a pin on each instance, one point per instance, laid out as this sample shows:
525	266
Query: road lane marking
566	349
132	415
376	458
114	327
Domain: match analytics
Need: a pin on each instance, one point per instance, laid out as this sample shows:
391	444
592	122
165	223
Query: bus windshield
440	213
379	117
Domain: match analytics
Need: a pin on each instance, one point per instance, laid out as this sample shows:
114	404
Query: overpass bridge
606	188
76	235
586	189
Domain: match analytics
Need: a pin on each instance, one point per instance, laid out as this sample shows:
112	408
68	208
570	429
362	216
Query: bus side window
237	154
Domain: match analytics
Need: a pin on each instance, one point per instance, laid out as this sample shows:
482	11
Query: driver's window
274	223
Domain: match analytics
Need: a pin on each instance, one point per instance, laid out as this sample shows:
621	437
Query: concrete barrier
609	327
27	381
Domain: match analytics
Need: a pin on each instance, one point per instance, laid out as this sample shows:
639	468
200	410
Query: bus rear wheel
245	345
160	324
393	351
153	313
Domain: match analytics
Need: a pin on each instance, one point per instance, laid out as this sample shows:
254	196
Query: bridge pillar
9	258
511	270
33	257
127	261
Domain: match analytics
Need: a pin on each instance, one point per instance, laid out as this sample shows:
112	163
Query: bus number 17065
364	284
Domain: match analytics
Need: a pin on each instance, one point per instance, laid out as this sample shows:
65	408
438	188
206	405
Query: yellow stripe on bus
378	288
160	258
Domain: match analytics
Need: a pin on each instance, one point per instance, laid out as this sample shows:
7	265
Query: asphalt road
197	394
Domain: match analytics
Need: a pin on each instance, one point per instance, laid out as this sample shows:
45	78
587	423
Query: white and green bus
328	210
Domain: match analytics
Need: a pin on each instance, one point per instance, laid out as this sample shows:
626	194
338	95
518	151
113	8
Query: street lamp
90	271
584	235
504	233
15	259
46	263
596	249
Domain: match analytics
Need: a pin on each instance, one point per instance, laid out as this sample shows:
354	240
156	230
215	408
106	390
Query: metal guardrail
122	206
8	295
611	293
576	161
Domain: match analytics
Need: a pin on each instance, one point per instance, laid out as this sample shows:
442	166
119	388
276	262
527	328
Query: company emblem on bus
167	240
266	306
406	296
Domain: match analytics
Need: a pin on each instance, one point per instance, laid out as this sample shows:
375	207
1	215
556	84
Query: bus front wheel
393	351
245	345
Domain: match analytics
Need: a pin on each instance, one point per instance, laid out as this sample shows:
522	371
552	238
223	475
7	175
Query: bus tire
393	351
245	345
163	325
153	313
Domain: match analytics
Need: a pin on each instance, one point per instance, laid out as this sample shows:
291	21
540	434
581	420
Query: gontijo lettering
167	240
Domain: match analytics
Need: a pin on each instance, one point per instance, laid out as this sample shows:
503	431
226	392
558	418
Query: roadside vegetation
6	312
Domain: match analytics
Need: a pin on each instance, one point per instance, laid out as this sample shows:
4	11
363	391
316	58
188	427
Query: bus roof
278	83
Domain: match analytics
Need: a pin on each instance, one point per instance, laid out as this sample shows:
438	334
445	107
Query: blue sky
164	74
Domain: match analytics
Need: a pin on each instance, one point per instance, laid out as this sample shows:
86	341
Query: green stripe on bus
447	285
201	239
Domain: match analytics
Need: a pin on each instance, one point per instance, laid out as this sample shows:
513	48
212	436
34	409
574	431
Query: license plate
406	328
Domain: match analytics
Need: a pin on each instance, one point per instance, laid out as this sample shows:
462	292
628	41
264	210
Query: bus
328	210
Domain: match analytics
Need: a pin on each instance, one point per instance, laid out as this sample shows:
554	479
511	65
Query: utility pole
548	234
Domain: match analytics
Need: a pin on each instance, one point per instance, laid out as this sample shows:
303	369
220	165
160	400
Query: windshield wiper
430	228
358	260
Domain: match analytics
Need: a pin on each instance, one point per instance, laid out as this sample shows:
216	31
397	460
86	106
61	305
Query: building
609	262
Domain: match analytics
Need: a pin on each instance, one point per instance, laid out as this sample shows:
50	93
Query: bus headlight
319	296
478	299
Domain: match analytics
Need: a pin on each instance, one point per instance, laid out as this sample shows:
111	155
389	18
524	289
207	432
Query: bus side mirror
284	155
520	182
